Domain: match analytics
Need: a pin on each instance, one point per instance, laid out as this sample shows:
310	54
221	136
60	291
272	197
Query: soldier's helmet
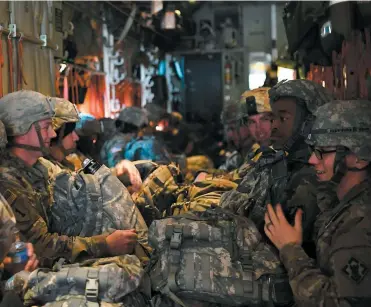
154	112
256	101
3	136
345	123
65	112
134	116
21	109
308	92
251	103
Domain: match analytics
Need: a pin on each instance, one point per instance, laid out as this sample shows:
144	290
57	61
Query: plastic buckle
246	261
92	287
176	237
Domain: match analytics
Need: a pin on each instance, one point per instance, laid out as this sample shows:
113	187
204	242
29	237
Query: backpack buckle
92	286
176	237
246	261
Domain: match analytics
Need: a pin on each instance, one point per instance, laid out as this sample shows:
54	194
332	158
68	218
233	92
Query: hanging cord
20	72
10	59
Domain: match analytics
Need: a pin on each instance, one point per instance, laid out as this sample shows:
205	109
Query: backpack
158	192
107	282
146	148
215	257
201	195
86	205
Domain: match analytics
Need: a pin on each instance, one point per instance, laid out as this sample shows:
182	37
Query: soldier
259	112
64	122
255	115
128	123
284	176
27	117
340	142
234	119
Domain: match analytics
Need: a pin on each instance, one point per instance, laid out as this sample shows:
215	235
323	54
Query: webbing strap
94	193
175	243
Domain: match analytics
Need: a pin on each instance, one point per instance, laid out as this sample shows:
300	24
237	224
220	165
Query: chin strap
303	125
339	165
59	144
42	148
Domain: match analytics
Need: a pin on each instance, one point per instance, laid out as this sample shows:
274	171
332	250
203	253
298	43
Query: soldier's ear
361	164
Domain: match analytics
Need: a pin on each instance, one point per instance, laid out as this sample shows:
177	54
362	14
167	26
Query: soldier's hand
122	242
201	176
128	167
32	262
278	229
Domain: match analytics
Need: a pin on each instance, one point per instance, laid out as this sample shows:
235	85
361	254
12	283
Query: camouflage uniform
341	276
26	188
112	150
7	218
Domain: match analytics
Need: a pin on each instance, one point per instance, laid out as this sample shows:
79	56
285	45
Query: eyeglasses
320	152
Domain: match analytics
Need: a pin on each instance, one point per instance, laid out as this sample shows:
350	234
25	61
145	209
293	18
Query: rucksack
201	195
158	192
107	282
146	148
86	205
215	257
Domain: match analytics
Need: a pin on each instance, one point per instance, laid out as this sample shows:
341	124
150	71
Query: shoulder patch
9	196
355	270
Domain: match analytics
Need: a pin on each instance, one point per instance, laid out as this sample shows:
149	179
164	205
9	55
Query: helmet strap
339	165
42	148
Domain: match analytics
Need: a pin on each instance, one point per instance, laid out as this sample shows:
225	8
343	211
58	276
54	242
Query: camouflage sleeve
302	193
142	250
51	246
345	281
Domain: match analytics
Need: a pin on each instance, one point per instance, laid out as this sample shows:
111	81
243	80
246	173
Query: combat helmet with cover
308	96
345	125
256	101
22	109
250	103
64	120
134	116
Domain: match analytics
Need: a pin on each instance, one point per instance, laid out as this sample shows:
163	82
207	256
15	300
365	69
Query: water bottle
90	166
18	252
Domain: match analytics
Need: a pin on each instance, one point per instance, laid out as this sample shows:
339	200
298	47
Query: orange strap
73	100
76	87
1	64
20	73
57	81
10	59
